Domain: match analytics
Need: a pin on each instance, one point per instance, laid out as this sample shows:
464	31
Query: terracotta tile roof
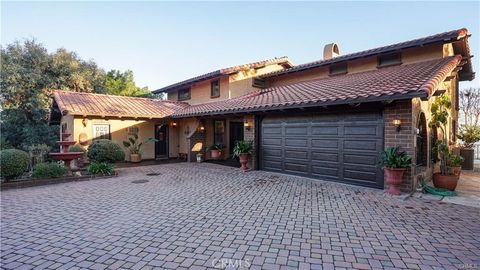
88	104
397	82
438	38
225	71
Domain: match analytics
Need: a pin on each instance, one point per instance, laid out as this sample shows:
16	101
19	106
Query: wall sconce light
247	125
202	128
174	124
84	122
397	123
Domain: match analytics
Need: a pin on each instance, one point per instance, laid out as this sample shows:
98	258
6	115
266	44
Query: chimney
330	51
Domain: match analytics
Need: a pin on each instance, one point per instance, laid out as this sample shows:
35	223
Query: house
326	119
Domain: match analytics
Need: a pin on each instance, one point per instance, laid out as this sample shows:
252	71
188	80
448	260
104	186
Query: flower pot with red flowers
216	150
395	164
243	150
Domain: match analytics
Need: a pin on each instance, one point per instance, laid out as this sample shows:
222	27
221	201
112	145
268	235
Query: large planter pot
448	181
393	177
467	154
215	154
135	158
243	161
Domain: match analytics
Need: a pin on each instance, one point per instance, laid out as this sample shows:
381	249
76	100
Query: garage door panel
272	142
325	143
360	159
324	156
359	145
296	154
296	142
340	147
272	130
370	130
325	130
361	176
296	167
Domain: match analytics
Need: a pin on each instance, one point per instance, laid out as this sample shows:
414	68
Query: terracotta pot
448	181
393	177
135	158
216	153
457	170
243	161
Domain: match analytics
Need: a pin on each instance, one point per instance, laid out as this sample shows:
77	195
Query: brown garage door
343	147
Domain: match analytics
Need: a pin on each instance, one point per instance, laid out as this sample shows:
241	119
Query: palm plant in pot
242	150
216	150
135	147
445	178
395	162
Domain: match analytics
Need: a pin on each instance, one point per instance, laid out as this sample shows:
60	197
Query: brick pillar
249	135
404	138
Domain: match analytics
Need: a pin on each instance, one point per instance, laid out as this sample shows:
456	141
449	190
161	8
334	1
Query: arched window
422	141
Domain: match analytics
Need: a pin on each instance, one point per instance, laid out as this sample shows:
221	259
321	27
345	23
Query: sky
166	42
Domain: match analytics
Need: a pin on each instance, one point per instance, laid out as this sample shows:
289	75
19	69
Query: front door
236	134
161	145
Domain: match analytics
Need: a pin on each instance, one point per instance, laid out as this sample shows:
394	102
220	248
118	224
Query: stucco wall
409	56
119	132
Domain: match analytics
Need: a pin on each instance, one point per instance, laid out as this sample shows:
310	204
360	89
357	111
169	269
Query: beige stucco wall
119	132
409	56
231	86
419	106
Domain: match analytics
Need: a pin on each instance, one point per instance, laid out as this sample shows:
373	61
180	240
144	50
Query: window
184	94
215	89
389	59
422	141
101	131
219	131
132	131
338	69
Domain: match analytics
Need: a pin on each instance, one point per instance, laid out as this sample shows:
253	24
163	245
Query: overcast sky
167	42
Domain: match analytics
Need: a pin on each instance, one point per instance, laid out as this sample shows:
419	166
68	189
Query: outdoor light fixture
174	124
397	124
84	122
247	125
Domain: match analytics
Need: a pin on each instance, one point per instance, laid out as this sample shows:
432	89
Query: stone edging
48	181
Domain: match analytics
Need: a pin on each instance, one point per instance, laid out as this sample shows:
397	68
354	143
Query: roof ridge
99	94
461	33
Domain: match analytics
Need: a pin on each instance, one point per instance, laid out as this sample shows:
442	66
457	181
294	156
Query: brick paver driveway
205	215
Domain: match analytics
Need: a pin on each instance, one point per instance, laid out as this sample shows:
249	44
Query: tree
28	75
122	84
470	106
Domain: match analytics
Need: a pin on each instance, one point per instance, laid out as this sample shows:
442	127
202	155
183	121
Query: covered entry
342	147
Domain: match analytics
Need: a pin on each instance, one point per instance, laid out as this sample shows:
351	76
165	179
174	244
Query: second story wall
408	56
201	92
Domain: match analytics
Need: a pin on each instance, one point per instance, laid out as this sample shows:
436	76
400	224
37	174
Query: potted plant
216	150
456	164
242	150
135	147
395	164
469	134
445	178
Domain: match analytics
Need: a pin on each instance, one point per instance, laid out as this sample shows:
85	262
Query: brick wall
405	138
249	135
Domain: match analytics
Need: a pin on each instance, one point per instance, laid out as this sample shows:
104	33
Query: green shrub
100	168
49	170
105	151
393	157
13	162
76	148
